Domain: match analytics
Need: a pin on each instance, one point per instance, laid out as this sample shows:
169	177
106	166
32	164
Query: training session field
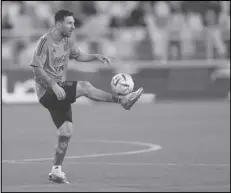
167	146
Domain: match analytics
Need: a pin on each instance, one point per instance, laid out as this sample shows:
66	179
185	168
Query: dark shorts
60	110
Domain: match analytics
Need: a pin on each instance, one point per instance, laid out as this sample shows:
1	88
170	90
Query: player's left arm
84	57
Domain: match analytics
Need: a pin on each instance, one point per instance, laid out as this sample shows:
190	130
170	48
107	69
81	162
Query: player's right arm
38	61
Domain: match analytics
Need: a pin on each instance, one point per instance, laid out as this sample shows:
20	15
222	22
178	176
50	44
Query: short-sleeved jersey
53	59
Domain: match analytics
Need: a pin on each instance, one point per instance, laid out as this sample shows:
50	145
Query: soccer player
49	62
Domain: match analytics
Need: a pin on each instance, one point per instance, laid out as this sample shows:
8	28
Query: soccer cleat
129	100
58	177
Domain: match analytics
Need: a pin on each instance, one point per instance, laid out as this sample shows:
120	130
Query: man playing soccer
50	61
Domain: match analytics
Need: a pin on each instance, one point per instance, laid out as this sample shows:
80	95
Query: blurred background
142	38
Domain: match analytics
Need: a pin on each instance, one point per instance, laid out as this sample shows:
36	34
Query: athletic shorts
60	110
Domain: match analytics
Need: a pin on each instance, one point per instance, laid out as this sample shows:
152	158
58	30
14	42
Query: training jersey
53	59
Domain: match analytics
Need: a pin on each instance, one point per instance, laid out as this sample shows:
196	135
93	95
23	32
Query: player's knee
84	86
66	129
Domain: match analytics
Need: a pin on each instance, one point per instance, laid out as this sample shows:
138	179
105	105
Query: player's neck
56	35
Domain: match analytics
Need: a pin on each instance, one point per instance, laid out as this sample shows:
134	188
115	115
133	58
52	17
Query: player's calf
63	137
85	88
64	134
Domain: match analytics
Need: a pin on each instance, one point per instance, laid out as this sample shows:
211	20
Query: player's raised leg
85	88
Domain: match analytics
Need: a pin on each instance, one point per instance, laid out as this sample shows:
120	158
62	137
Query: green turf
194	136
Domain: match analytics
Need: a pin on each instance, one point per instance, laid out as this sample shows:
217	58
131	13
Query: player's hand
104	59
59	92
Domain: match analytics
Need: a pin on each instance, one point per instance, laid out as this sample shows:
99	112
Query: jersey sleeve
74	52
40	54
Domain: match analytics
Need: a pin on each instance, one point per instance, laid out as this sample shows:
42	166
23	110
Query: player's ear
58	24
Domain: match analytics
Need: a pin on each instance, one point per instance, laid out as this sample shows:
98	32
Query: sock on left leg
56	168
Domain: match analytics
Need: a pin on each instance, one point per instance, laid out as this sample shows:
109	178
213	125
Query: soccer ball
122	84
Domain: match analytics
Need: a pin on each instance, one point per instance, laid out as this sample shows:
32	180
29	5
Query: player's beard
68	34
64	35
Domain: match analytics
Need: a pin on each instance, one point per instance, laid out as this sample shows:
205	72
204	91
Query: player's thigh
82	88
70	90
50	101
60	110
62	118
75	89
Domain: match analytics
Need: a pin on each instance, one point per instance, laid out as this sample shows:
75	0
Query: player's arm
38	61
43	78
77	55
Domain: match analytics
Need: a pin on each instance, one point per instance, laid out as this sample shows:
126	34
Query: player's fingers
63	95
60	93
58	96
109	62
106	61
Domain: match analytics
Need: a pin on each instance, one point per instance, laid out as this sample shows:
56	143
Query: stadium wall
160	82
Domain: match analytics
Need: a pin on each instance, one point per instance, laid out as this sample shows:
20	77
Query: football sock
56	167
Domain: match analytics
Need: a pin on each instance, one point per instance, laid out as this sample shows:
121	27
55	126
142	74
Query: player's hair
61	14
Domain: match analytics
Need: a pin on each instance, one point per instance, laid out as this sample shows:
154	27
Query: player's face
67	26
